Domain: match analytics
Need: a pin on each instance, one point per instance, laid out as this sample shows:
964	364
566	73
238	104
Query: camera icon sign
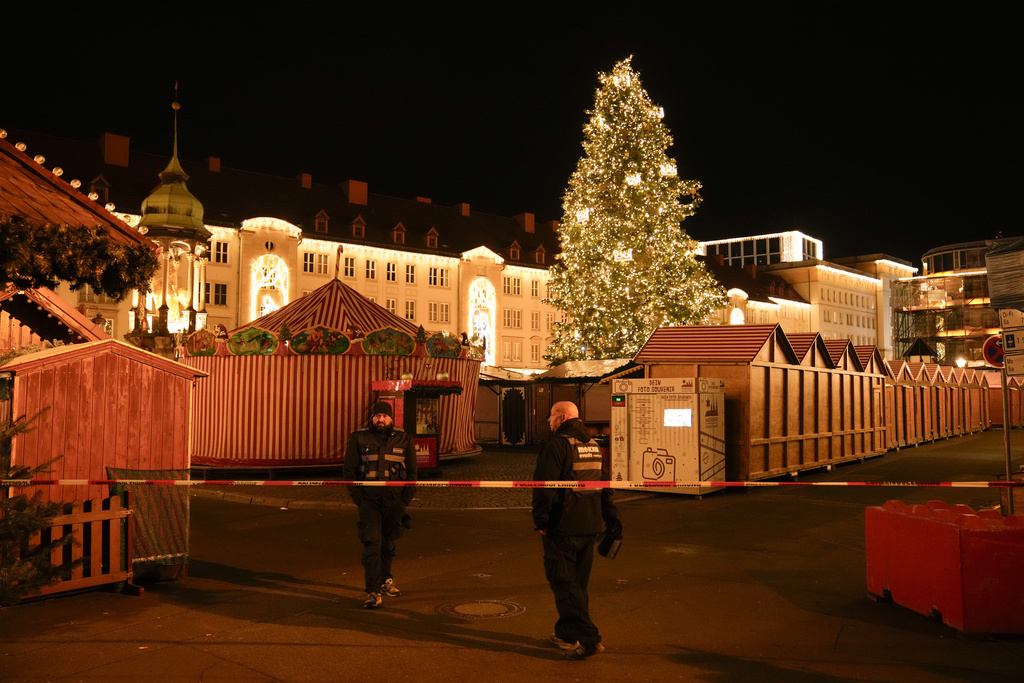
658	465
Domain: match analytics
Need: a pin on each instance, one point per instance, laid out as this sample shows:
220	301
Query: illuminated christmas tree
626	267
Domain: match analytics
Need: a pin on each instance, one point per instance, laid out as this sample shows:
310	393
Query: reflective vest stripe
395	458
584	465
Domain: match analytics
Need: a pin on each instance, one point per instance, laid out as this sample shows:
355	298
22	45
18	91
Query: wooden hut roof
59	354
48	316
586	369
870	358
724	343
916	371
897	369
336	306
29	189
810	349
840	348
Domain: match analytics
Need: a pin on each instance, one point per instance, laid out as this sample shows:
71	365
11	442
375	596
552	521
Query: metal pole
1006	438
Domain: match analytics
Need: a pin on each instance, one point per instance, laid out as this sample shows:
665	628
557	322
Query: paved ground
753	585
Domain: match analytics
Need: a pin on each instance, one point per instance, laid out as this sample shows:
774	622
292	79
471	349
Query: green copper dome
171	210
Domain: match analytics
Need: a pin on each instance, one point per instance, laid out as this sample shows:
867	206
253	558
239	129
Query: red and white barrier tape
653	485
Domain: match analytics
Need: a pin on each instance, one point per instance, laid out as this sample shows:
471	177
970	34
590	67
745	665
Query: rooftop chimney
115	149
719	259
526	221
464	208
214	164
306	180
355	191
551	225
751	270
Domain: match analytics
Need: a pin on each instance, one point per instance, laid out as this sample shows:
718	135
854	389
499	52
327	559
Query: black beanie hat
382	407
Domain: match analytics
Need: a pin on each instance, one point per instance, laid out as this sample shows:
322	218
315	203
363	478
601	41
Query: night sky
877	127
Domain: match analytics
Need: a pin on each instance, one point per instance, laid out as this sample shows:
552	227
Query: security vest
381	459
587	462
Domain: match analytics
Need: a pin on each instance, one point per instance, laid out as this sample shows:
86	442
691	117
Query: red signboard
426	451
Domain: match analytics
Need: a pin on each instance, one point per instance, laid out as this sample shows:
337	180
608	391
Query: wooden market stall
106	404
289	389
784	413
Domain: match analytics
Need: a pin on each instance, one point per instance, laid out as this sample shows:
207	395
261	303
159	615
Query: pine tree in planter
626	266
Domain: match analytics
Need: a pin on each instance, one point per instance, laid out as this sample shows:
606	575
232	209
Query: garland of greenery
44	255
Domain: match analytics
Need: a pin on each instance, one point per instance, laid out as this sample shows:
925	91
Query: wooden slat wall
105	410
289	410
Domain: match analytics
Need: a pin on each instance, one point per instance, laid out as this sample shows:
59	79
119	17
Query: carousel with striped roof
287	389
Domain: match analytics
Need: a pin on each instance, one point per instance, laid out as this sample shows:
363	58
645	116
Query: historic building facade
272	239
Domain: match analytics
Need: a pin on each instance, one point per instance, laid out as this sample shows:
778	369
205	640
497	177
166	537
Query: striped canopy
336	306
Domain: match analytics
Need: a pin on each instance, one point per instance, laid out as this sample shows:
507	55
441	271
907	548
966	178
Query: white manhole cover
482	609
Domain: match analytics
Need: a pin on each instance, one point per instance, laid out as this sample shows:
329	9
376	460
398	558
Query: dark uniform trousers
567	564
379	525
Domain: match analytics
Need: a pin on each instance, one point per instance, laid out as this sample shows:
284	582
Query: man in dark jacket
569	521
380	452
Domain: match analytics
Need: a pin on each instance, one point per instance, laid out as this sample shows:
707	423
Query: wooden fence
101	535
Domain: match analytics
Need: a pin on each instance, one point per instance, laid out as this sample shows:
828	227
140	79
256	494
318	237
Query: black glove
613	527
406	521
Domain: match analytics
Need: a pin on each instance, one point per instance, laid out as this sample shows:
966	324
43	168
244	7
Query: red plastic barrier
966	566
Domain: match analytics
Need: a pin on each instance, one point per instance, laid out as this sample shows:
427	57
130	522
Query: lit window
220	252
220	293
437	277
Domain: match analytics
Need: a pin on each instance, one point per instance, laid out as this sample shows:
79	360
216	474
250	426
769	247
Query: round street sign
993	351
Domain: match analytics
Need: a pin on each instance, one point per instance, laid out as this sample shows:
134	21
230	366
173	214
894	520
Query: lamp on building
961	362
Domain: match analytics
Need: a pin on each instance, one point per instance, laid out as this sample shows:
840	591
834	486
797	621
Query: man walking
380	452
569	521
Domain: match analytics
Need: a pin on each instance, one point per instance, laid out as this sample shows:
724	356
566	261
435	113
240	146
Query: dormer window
538	255
101	187
432	239
320	222
359	228
513	251
399	234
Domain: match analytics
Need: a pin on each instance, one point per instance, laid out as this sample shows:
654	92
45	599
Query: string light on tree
626	267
